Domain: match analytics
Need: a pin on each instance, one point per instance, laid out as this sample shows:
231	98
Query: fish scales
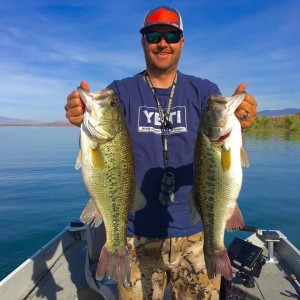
114	185
218	190
107	163
218	179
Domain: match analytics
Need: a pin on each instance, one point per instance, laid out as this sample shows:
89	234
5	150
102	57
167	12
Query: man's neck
162	79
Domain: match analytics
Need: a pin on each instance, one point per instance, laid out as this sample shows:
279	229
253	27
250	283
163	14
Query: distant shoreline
37	125
286	122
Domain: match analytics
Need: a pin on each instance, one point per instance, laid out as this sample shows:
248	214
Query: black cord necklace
167	190
166	124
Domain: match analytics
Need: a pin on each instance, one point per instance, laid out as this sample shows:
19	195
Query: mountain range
280	112
4	121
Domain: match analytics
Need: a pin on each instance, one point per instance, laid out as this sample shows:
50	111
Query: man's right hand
75	106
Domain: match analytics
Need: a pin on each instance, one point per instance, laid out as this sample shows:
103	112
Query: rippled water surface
40	191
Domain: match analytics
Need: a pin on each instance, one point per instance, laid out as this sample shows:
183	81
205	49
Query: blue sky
48	46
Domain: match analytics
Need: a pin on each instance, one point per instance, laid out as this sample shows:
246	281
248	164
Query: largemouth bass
219	157
106	160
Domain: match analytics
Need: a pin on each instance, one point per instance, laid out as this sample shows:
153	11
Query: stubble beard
156	68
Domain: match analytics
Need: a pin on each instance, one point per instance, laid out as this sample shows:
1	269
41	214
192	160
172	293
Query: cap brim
146	28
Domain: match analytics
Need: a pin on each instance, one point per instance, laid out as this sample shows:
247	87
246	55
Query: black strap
166	125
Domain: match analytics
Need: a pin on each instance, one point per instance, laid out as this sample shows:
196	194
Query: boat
266	265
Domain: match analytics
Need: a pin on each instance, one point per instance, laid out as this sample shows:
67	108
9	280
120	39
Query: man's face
162	55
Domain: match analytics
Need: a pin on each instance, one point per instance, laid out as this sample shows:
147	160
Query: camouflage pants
178	261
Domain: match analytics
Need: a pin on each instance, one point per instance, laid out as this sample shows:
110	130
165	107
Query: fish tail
218	262
115	265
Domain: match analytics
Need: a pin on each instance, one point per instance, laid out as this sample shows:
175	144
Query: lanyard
166	124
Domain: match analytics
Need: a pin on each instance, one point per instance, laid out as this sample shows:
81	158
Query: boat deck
66	279
273	282
57	271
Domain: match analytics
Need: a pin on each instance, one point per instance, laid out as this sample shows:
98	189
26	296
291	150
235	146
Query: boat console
247	258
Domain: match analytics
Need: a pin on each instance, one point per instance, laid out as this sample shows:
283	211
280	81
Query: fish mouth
100	97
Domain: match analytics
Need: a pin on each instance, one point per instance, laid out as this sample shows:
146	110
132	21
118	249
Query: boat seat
95	240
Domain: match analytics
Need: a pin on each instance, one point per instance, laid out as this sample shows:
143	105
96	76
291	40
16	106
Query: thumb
241	88
84	85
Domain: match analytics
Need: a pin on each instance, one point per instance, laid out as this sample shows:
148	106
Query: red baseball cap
163	15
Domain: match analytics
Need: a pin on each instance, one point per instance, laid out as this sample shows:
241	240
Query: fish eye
113	104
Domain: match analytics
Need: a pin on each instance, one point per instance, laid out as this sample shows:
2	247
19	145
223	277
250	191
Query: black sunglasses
171	37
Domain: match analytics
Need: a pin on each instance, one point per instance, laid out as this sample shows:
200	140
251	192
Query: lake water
41	192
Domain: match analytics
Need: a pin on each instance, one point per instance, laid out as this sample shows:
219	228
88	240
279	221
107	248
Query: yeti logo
149	120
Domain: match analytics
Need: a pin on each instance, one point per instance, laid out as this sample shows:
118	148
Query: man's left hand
246	111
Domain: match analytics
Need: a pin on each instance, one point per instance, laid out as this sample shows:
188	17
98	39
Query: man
164	244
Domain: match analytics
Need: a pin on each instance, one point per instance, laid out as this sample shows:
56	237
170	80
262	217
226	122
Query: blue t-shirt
142	117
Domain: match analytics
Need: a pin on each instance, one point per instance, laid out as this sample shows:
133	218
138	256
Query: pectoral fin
91	215
97	156
139	201
244	158
78	160
225	159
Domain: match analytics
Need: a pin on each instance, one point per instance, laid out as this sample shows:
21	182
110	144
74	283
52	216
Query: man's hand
75	106
246	111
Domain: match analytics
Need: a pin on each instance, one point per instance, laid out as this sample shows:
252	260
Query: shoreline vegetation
282	123
285	127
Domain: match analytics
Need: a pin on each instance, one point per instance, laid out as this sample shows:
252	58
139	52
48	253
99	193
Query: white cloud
47	47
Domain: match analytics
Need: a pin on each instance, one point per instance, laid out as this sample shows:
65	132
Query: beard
156	64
